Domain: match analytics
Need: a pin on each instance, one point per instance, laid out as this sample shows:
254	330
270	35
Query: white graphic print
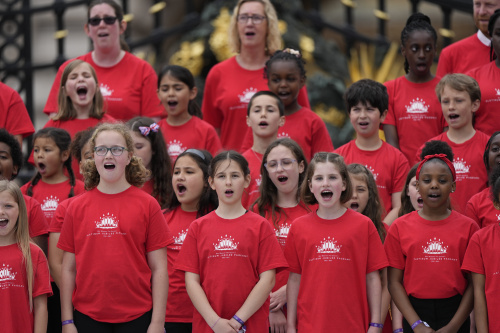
417	105
461	165
107	222
282	233
329	250
498	217
175	148
6	274
50	204
283	135
498	91
372	170
435	246
328	245
247	95
105	91
226	243
179	240
258	181
435	250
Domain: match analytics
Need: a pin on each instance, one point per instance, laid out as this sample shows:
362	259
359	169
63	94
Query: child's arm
480	309
157	261
396	204
398	293
391	135
68	276
386	297
397	317
55	258
277	319
463	310
278	299
292	294
200	302
40	313
42	242
374	295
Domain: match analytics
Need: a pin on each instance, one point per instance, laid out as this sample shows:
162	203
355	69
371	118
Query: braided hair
286	55
416	22
491	25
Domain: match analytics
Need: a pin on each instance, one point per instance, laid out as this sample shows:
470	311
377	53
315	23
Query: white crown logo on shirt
50	203
498	91
175	148
105	91
282	135
328	245
108	221
417	106
372	170
179	240
247	95
461	166
498	217
435	246
283	230
6	273
258	181
226	243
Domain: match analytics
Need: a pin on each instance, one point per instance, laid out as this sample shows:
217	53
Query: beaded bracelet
377	325
66	322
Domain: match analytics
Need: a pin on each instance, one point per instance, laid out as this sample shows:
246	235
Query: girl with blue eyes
414	115
426	249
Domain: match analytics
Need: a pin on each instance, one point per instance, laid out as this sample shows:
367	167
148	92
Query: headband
146	130
443	158
196	152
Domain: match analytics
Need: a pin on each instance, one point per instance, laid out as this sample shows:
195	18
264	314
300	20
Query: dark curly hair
15	150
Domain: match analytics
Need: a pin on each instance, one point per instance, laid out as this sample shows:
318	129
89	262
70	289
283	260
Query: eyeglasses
256	19
109	20
286	164
103	151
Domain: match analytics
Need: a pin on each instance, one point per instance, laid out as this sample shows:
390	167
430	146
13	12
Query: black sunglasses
109	20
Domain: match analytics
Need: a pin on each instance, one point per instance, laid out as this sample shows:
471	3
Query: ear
301	167
344	186
248	179
475	105
248	121
15	169
193	93
130	157
417	187
211	182
282	121
382	116
453	186
302	81
402	48
86	29
123	26
65	155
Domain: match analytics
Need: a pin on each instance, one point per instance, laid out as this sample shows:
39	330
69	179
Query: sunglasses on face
109	20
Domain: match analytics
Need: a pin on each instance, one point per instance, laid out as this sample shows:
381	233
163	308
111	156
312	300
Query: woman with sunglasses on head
254	36
127	83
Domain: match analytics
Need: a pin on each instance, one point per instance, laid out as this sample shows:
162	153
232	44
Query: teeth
282	178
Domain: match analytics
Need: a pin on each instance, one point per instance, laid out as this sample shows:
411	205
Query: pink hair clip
145	130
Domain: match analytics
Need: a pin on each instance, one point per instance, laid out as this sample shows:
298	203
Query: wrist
240	322
377	325
418	322
67	322
398	330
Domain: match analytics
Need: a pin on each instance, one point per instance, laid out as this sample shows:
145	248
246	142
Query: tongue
3	223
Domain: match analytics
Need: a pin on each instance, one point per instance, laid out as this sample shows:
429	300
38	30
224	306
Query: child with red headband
426	249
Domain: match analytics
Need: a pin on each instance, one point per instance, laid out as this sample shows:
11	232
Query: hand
421	328
156	328
278	299
277	322
446	329
69	328
223	326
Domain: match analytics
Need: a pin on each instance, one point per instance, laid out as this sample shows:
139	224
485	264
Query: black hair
184	75
286	55
491	25
281	107
406	205
232	156
486	154
15	149
208	199
81	139
437	147
367	91
494	180
62	139
416	22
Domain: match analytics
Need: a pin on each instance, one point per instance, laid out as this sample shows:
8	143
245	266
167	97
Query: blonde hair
273	38
135	172
66	110
21	232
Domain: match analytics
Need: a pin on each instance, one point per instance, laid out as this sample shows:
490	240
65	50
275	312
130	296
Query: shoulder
223	66
460	219
387	148
345	148
463	44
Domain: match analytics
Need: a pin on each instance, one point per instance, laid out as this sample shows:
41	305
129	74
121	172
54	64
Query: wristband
415	324
212	327
377	325
398	330
66	322
242	323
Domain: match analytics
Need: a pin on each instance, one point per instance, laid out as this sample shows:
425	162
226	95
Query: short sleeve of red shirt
481	209
59	216
14	116
37	222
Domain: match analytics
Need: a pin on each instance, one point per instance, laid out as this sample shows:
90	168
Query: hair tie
443	158
145	130
196	152
292	52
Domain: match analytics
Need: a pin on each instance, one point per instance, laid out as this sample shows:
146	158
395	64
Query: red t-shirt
388	165
110	241
480	208
228	90
37	222
333	258
304	127
14	116
469	166
251	193
281	229
487	118
50	195
179	306
416	112
196	133
14	302
430	253
57	221
481	257
462	56
129	88
229	255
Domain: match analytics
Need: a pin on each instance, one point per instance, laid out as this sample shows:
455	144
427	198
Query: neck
113	188
82	112
230	211
252	58
287	200
292	108
55	179
8	240
179	119
368	143
260	144
412	77
434	214
108	57
189	207
461	135
331	213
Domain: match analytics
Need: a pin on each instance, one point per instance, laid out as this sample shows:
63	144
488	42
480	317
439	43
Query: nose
421	53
